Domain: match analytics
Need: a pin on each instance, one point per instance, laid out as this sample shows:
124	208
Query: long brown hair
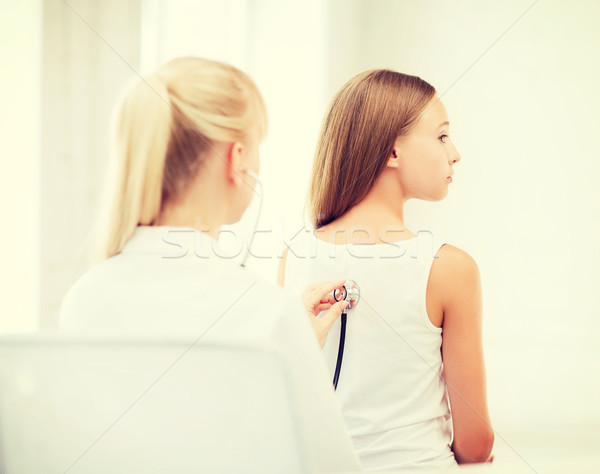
365	118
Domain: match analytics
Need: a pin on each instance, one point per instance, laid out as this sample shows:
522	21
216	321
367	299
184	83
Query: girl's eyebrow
443	123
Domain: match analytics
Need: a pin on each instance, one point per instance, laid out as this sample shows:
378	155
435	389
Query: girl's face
426	156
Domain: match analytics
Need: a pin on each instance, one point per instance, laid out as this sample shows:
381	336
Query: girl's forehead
433	116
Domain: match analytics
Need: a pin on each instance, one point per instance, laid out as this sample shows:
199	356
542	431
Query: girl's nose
456	156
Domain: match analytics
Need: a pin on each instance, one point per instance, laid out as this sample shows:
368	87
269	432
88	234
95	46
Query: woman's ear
234	161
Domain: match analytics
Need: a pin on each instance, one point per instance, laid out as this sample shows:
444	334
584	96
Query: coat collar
171	242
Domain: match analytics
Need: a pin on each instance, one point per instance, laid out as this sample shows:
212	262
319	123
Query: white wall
90	49
20	50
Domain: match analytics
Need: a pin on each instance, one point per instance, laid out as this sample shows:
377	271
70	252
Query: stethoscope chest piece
350	293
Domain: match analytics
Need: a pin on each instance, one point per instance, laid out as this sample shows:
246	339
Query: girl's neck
376	219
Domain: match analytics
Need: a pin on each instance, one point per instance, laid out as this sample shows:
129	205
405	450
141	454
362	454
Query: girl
415	335
186	163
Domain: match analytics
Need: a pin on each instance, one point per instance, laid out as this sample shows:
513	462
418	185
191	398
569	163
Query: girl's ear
394	158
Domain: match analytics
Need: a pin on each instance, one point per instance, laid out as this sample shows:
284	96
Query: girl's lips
450	178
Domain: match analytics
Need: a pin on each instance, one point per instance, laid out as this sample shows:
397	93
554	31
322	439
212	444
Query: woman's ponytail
135	176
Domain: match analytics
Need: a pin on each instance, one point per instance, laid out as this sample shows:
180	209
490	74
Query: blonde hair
365	118
165	124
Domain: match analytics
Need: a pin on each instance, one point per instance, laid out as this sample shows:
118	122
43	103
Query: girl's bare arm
456	274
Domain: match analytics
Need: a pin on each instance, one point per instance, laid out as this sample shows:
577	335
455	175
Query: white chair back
80	404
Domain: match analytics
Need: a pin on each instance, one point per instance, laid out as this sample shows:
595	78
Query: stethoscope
350	293
260	195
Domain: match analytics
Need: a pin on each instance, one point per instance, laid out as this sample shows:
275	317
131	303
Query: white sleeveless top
390	388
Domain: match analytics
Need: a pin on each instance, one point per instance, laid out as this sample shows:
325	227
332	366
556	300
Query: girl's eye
441	138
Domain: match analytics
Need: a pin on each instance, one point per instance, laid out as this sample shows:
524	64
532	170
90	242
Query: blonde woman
415	336
186	162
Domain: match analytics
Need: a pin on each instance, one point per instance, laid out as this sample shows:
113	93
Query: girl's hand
316	298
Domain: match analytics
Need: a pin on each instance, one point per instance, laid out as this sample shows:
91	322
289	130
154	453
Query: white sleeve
323	419
68	310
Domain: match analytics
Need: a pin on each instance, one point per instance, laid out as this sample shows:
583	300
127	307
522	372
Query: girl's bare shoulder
454	270
452	254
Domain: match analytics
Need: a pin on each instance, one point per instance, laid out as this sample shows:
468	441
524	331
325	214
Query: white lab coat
162	283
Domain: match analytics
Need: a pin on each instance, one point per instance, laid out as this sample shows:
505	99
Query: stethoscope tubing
338	365
351	293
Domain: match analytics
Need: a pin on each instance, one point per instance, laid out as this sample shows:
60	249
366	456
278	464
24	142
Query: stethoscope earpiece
260	197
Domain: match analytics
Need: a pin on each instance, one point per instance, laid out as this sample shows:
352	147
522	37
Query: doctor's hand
317	298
